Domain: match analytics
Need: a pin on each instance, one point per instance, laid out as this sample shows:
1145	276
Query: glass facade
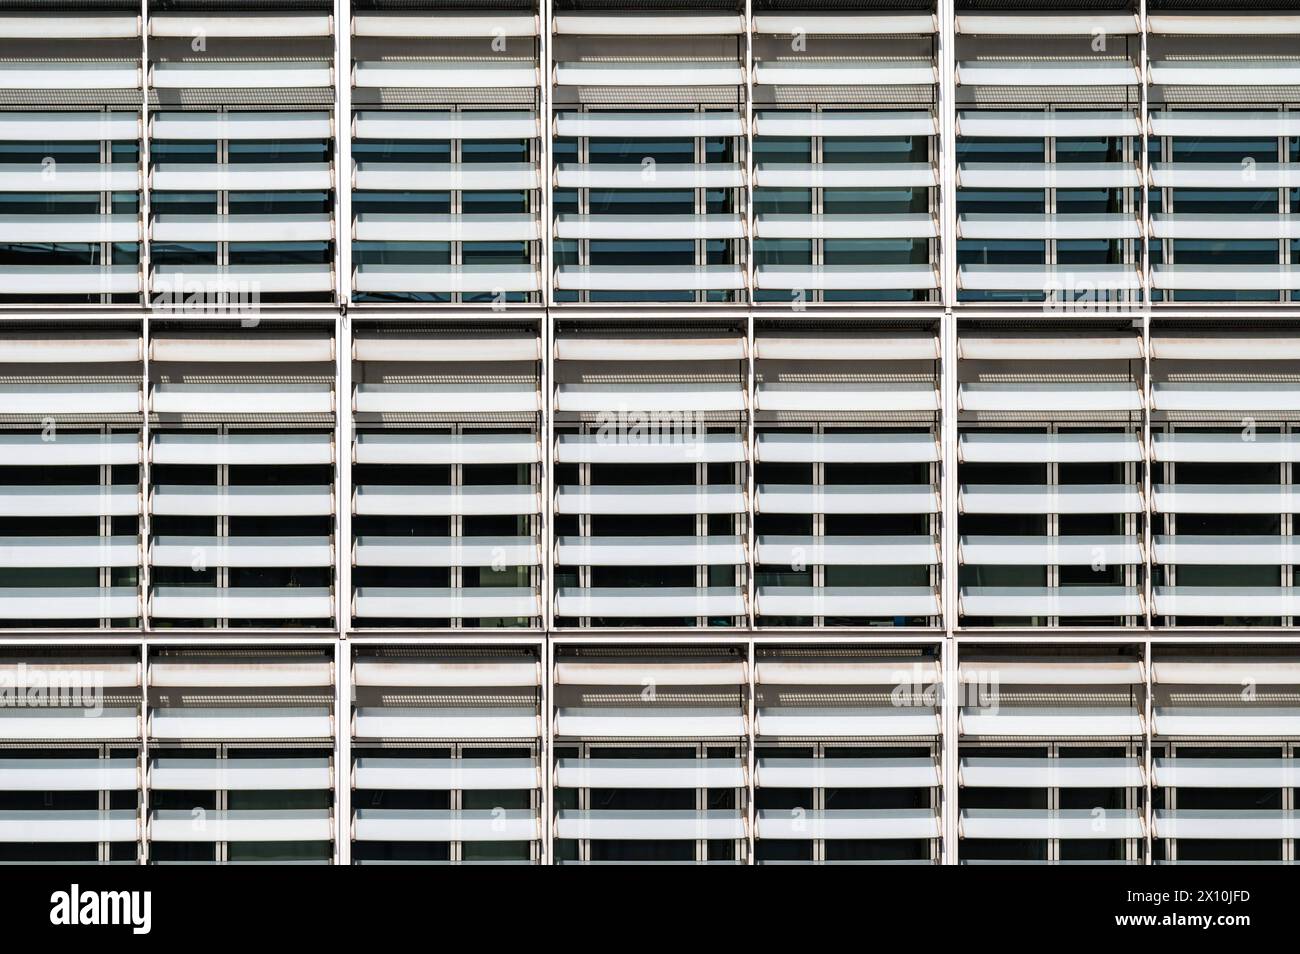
601	433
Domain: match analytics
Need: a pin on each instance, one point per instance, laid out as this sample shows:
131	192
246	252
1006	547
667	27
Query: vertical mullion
1148	811
948	323
223	213
747	241
1054	804
1288	803
545	531
1049	197
546	128
455	574
946	61
584	530
818	570
455	247
344	429
105	245
948	791
223	528
342	752
545	754
145	257
751	758
546	218
144	772
1144	160
1053	530
700	205
343	152
945	39
1287	525
584	206
103	802
105	528
221	847
749	438
701	536
144	212
1147	463
343	441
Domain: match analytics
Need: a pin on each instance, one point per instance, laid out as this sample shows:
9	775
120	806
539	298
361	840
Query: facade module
592	432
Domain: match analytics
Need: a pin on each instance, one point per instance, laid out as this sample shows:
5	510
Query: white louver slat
237	449
846	72
69	501
689	73
435	74
69	775
240	723
402	774
1032	25
49	725
978	772
46	26
847	499
245	775
241	551
1041	448
378	824
68	826
71	450
650	773
1047	73
851	24
64	552
848	823
245	25
639	24
185	398
1047	722
889	447
244	825
41	400
446	449
663	722
659	602
1065	823
844	175
1041	124
445	124
848	551
489	602
654	449
450	24
70	74
205	126
844	123
631	825
241	74
653	551
446	723
1225	824
847	773
1031	601
269	602
836	723
606	124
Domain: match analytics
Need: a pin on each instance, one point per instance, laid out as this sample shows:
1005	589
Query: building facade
724	432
